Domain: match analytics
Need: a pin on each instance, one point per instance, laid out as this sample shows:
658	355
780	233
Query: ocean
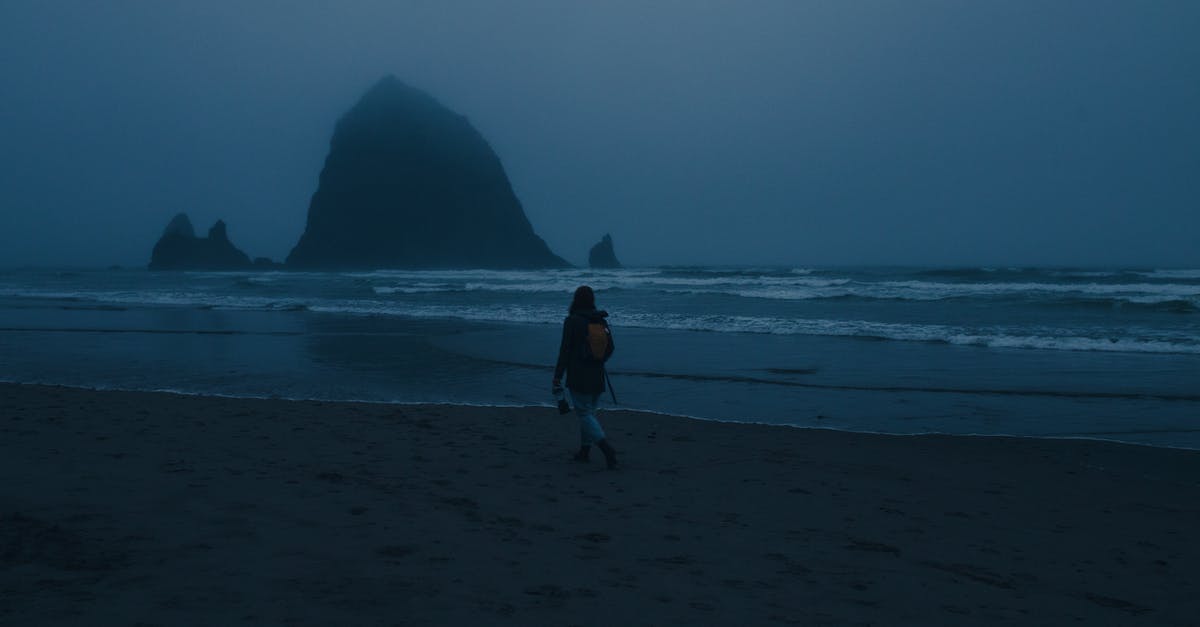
1039	352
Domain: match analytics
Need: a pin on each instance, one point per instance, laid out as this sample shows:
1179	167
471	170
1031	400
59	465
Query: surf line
149	331
867	388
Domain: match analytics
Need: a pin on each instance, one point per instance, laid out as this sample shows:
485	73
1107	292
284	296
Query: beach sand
130	508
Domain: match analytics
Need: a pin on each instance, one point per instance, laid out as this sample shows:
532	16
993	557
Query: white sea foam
416	288
530	296
797	284
1175	274
265	279
169	299
1050	339
800	286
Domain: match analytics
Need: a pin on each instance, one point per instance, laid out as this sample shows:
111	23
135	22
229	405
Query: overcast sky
799	133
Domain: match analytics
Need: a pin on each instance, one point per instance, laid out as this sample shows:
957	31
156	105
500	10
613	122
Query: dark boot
582	455
610	455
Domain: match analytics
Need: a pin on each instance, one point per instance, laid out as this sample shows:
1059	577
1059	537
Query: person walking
586	345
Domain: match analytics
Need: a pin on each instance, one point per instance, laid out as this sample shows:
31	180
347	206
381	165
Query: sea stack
408	183
602	254
180	249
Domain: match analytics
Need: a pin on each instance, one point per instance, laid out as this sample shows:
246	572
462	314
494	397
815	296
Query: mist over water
703	133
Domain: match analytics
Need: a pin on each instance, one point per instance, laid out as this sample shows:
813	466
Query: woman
585	369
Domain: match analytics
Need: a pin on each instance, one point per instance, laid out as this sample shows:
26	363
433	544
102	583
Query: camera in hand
560	396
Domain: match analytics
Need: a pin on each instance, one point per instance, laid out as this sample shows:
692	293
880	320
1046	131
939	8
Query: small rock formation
180	225
180	249
409	183
602	255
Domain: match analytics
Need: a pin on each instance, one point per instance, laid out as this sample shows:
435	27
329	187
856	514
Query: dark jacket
584	373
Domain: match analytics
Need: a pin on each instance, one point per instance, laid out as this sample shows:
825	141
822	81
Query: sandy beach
131	508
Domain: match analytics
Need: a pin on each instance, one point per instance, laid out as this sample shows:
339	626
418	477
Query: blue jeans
589	428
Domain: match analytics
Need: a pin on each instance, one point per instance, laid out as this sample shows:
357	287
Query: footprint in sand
1117	604
396	551
868	545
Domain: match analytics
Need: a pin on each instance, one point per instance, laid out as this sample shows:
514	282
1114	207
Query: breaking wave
1146	311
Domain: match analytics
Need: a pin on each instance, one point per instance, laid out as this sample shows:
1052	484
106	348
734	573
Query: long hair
584	300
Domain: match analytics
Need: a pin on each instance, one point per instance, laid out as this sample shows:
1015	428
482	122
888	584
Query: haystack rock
602	254
180	249
409	183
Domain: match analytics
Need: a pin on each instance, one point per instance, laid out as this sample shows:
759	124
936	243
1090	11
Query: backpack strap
610	387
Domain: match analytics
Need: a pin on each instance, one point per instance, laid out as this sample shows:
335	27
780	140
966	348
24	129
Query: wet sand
129	508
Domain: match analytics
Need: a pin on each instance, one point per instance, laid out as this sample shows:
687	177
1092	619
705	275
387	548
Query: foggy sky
798	133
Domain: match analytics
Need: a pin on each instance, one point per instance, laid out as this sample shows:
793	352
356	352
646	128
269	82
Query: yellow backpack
598	339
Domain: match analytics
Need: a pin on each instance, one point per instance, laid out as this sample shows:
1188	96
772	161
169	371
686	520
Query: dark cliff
410	183
180	249
602	254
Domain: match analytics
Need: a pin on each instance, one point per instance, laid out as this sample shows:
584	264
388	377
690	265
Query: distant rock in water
602	254
180	249
180	225
409	183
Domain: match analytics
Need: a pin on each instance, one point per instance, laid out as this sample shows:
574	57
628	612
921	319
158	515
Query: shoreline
804	380
603	408
127	507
